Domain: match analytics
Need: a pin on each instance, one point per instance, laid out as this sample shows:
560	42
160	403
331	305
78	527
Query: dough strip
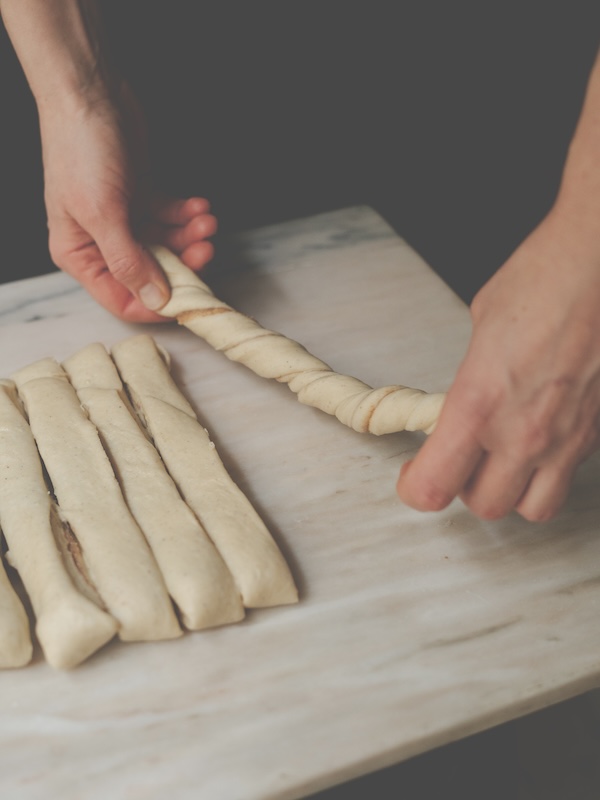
196	576
241	537
69	626
272	355
117	556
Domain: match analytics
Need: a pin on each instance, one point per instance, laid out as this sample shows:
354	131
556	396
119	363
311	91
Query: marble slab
412	630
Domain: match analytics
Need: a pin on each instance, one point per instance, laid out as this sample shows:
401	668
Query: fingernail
152	297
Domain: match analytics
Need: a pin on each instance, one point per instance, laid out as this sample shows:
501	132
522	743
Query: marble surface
412	630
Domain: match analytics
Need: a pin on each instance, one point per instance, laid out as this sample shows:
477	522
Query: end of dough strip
260	572
196	576
117	557
16	647
269	354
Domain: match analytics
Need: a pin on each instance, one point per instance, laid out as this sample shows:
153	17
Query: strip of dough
69	626
195	574
117	556
272	355
16	648
258	567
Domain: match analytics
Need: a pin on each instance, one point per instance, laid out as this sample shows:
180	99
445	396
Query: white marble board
412	629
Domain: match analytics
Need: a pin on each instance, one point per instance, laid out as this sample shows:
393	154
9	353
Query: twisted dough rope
272	355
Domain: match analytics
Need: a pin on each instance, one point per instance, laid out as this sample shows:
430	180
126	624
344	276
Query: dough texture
117	557
196	576
271	355
69	626
16	647
260	572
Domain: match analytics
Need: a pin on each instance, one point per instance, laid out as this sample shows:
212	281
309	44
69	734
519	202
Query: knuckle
478	399
535	440
61	255
124	267
57	251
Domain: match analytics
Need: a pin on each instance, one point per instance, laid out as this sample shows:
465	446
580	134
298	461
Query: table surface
412	629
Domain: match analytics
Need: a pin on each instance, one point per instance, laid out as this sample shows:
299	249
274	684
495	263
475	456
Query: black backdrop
450	119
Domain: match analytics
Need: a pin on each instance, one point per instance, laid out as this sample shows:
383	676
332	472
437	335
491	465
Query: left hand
100	209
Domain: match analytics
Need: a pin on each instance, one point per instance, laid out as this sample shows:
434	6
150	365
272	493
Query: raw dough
69	626
16	648
272	355
117	556
258	567
196	576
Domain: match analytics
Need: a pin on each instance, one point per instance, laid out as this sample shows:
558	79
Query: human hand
523	411
99	209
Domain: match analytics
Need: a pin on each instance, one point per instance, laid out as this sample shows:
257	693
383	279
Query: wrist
58	43
73	96
577	204
575	215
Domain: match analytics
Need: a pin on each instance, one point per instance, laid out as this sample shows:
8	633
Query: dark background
452	120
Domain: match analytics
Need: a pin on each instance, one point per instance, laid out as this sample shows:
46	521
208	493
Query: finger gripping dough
272	355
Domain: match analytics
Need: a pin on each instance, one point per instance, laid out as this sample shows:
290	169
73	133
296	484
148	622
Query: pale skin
98	205
523	410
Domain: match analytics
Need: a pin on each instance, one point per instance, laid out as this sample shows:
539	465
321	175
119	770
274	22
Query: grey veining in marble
412	629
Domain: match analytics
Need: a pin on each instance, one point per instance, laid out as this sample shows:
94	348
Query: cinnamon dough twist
272	355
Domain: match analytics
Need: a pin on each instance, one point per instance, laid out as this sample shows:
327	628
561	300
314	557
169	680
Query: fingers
133	267
443	465
523	410
109	262
550	484
184	226
85	263
532	481
173	211
497	485
535	486
545	494
196	230
117	299
197	255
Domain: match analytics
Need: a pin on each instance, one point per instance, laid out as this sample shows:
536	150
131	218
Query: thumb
134	267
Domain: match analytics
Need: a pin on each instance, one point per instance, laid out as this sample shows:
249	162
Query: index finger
87	265
116	298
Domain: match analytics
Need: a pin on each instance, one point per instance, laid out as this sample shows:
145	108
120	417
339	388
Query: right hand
99	209
524	409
